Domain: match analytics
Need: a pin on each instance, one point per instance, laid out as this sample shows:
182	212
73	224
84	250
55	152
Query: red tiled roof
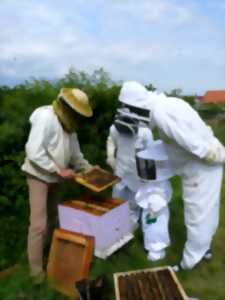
214	97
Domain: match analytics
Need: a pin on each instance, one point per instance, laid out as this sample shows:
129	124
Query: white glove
216	153
153	202
156	203
111	149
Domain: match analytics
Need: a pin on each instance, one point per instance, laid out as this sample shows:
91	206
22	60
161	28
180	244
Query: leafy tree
175	93
150	87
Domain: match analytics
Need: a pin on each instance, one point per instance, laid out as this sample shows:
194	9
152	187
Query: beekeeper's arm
111	148
147	137
183	128
78	161
36	146
154	202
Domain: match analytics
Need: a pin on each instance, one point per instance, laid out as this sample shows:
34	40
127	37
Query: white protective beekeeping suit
195	154
153	197
121	149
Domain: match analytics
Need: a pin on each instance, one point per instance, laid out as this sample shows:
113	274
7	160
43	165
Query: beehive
148	284
106	219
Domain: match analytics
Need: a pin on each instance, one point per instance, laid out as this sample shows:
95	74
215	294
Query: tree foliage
17	103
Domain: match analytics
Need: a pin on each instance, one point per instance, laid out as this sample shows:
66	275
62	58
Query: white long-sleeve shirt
50	148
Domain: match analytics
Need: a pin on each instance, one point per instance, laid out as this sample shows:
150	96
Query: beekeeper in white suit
195	154
127	135
153	197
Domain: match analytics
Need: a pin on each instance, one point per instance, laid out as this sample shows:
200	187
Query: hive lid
154	284
96	179
69	260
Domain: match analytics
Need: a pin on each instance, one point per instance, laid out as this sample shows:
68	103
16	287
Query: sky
168	43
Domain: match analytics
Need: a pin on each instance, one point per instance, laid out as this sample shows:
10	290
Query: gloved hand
111	149
216	153
156	203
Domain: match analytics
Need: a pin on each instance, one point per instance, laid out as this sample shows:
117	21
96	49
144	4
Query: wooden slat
85	205
173	275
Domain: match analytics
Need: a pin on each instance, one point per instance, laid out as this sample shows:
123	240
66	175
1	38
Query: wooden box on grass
106	219
69	260
148	284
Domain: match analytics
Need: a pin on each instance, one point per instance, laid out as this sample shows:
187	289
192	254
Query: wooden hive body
69	260
148	284
106	219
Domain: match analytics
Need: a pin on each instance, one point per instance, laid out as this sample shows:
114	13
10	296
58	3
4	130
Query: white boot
156	255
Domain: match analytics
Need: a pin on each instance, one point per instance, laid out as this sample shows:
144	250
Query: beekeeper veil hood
153	163
134	94
70	106
125	124
134	97
138	100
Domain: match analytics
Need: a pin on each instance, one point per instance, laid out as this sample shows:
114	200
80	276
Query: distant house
217	97
198	98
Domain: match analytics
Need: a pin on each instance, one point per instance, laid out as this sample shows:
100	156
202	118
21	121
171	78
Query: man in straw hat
52	152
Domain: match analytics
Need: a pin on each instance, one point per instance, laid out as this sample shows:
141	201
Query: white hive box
106	219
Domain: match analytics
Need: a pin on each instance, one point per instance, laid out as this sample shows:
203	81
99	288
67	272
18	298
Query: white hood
153	163
133	93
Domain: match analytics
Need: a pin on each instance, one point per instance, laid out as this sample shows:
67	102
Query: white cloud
151	11
150	40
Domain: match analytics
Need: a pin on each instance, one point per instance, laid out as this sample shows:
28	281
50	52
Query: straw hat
77	100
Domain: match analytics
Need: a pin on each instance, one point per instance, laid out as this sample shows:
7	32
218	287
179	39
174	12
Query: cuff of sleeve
53	168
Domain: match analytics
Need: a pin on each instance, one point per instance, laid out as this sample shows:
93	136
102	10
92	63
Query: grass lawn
206	281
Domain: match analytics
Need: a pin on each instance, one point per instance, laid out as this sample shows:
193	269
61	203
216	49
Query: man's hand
66	173
111	161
